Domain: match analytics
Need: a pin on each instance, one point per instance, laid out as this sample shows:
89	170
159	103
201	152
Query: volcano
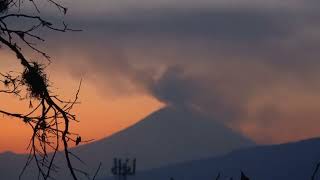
168	136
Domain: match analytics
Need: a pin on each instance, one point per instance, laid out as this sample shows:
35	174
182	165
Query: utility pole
123	168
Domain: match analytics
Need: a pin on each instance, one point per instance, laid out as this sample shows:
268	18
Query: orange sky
99	115
262	71
103	113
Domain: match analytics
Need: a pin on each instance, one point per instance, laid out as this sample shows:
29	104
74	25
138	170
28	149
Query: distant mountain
170	135
292	161
11	165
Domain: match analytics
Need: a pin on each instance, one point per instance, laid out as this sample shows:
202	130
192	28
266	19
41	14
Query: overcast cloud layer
254	68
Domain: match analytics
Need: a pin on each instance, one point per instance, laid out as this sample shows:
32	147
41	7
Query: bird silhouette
78	140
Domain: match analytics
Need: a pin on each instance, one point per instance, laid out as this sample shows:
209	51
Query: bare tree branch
50	119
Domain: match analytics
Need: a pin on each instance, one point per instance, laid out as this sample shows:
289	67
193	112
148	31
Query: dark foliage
35	80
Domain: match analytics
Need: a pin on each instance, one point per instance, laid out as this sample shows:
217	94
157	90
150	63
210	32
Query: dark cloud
173	88
236	64
224	25
231	25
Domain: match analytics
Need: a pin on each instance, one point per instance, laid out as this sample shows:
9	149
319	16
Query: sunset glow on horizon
253	68
96	122
100	114
159	89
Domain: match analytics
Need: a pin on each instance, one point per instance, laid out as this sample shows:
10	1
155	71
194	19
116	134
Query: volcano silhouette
168	136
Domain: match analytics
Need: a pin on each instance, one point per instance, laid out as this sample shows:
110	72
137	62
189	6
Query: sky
251	64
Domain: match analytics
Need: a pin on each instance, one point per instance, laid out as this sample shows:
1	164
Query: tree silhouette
50	117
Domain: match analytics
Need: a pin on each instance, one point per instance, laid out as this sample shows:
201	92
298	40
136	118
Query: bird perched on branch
78	140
